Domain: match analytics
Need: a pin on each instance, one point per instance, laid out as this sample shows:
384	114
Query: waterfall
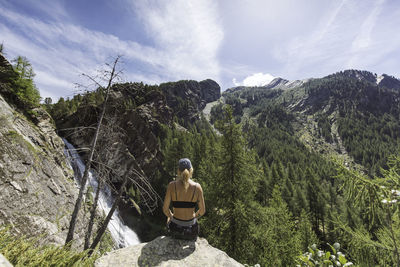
122	235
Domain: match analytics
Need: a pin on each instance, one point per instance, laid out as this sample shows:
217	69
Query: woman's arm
200	201
167	201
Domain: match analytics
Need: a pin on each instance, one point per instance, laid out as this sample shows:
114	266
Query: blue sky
234	42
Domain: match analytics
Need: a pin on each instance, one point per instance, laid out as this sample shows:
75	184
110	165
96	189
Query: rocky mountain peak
389	82
277	82
360	75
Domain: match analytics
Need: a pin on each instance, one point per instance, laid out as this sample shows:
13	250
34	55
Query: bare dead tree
113	164
93	208
104	225
116	164
113	74
139	179
108	137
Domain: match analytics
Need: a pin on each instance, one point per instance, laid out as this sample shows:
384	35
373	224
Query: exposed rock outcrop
166	251
36	183
136	111
141	111
188	98
389	82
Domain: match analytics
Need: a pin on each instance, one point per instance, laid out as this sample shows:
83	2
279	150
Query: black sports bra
183	204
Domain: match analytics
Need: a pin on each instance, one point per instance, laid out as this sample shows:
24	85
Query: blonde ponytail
184	177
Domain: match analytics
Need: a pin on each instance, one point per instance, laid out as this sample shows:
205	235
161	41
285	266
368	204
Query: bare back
176	193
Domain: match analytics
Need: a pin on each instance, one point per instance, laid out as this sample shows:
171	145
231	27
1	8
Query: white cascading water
122	235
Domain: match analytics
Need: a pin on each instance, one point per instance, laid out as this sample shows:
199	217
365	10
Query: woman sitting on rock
184	194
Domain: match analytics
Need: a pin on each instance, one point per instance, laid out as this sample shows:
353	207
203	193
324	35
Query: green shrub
22	251
316	257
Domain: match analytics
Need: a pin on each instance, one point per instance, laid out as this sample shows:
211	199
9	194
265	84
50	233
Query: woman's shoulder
193	183
173	182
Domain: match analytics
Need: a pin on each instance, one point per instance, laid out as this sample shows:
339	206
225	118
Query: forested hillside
304	135
288	166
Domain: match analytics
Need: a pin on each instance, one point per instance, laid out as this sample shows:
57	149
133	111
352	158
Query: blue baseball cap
184	164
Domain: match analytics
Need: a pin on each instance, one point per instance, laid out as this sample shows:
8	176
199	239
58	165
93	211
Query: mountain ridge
278	82
333	97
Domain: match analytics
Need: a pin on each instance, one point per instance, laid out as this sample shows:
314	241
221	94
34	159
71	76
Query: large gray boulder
166	251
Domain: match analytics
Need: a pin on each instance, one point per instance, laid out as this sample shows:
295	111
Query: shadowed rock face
155	107
141	127
166	251
188	98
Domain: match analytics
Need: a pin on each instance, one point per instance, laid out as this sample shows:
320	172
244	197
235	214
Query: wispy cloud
187	32
199	39
357	35
363	40
187	38
319	46
53	9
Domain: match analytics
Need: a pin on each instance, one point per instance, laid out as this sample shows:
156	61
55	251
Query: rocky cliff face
141	112
389	82
165	251
136	115
188	98
36	183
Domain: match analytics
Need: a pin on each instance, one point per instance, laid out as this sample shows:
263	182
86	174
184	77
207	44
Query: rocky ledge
166	251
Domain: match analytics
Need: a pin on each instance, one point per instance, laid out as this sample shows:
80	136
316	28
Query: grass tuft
22	251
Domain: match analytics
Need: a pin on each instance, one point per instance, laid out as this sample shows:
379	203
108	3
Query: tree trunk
108	218
70	235
93	214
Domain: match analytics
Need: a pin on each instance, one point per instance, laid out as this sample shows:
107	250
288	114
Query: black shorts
183	232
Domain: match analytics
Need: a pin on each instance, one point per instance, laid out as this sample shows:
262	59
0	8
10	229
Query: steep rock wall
36	183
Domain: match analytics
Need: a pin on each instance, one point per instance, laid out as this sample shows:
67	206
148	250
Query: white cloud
319	46
198	39
364	38
351	34
186	35
256	79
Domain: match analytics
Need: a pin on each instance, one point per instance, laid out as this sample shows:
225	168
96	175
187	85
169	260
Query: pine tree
377	237
276	240
316	202
24	87
307	235
231	214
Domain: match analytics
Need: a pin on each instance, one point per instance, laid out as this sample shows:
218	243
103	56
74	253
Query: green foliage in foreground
375	239
26	252
316	257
